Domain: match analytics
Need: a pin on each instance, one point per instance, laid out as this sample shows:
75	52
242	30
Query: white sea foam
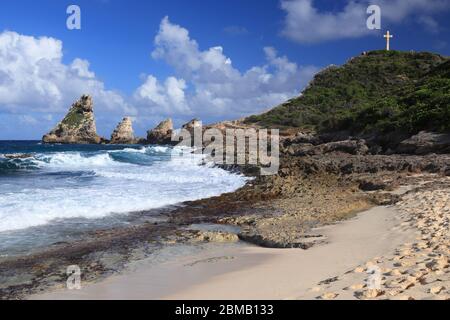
108	186
74	160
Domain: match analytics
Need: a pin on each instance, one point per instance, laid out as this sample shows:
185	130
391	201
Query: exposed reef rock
78	126
162	133
217	236
355	147
302	137
123	134
426	142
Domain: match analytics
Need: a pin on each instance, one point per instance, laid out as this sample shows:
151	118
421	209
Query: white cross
388	37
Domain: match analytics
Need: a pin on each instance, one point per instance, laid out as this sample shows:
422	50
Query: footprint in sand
329	296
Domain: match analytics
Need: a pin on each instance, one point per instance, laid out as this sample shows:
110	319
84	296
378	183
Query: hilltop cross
388	37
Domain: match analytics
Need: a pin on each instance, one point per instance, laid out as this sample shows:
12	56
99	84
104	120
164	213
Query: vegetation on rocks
377	92
78	126
74	118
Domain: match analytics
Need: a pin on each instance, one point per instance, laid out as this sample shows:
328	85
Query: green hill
380	91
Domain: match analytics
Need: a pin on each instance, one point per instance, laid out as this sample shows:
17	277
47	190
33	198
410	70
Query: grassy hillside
377	92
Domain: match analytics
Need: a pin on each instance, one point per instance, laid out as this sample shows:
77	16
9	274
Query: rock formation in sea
194	123
162	133
78	126
123	134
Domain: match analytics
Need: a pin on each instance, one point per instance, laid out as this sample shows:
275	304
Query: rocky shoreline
322	179
361	156
276	211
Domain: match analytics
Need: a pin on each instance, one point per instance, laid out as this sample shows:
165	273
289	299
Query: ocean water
64	190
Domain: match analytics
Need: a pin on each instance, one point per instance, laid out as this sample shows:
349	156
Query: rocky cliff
379	92
162	133
78	126
123	134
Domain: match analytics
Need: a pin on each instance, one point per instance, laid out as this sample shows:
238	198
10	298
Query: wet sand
250	272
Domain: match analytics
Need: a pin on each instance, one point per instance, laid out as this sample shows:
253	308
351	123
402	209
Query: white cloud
37	87
169	98
304	23
207	84
33	78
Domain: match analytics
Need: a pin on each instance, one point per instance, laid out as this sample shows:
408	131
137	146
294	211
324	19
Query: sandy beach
404	246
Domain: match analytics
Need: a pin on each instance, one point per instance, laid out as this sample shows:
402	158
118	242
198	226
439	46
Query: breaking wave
51	186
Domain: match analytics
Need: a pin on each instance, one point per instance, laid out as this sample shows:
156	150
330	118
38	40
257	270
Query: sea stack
123	134
194	123
162	133
78	126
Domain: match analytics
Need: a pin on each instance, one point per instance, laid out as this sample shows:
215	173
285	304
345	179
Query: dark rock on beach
425	142
348	146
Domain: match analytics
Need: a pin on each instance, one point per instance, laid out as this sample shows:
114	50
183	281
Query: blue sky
213	59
